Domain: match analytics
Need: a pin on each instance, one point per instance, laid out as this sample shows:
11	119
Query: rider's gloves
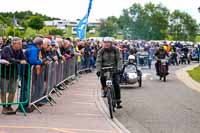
98	74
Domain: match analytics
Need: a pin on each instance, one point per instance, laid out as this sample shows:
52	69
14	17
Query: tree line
32	23
151	22
21	17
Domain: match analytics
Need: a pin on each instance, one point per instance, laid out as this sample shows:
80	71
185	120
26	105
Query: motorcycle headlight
132	75
109	83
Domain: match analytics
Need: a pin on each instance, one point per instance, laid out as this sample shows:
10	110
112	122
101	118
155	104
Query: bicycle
108	72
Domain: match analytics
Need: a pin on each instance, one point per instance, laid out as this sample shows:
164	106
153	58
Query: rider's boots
103	93
119	106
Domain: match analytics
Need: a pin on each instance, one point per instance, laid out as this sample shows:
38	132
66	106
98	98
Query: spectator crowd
16	53
41	50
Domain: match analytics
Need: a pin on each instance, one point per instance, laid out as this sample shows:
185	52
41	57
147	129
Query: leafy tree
29	33
56	32
24	24
125	23
182	26
89	28
22	17
108	27
138	26
2	20
11	32
36	22
156	21
148	22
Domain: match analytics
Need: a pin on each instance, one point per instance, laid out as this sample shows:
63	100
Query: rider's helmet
131	59
108	39
107	42
163	46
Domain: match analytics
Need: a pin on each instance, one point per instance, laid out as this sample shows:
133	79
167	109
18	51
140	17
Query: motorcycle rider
133	51
109	56
174	55
185	51
160	54
131	61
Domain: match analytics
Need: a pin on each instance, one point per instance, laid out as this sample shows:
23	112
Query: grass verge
195	74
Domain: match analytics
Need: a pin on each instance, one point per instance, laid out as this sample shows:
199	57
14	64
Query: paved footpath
76	111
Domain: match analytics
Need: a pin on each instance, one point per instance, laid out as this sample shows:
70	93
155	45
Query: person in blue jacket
33	50
32	56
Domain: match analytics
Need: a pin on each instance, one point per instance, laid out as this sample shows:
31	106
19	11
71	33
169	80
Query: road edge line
184	77
104	110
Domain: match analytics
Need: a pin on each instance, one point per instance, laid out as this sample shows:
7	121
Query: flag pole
88	13
82	26
86	29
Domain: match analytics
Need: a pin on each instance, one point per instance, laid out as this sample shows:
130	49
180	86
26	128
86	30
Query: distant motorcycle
131	75
163	69
185	58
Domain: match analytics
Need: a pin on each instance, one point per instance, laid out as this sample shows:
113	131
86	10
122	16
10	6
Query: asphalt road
160	107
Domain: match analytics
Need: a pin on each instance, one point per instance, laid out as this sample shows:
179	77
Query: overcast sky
73	9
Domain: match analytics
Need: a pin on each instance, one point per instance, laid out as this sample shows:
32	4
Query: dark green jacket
109	58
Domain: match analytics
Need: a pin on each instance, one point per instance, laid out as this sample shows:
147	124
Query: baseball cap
53	42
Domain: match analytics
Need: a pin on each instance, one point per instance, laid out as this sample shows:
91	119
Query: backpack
115	53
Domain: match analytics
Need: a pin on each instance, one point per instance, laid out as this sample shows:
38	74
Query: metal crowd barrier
50	78
83	66
144	60
15	86
34	85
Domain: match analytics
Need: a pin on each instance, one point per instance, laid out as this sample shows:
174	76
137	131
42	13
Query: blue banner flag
81	27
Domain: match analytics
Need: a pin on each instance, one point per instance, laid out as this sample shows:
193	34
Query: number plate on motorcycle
163	61
108	82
